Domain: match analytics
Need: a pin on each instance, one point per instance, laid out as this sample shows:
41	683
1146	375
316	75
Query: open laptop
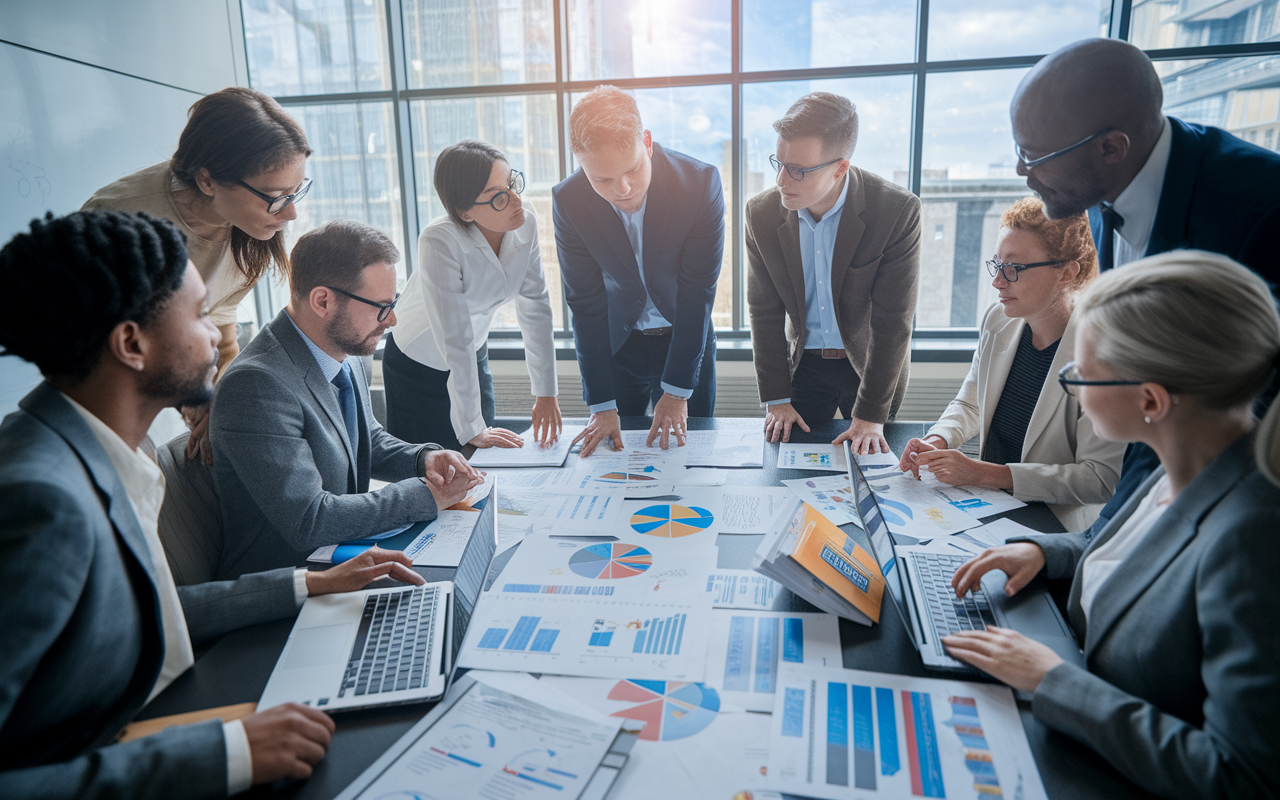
380	647
920	581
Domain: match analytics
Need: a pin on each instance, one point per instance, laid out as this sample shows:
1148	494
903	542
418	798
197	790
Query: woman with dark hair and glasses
478	257
231	188
1035	440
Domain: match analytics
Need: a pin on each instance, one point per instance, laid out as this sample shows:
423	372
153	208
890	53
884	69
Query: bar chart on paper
746	650
835	731
590	636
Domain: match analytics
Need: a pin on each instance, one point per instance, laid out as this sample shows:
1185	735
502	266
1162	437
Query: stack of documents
812	557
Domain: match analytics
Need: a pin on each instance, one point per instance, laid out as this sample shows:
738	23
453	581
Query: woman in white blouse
482	254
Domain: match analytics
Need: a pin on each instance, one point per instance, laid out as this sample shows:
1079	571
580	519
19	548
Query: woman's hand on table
1020	561
1005	655
956	469
496	437
925	445
547	423
364	569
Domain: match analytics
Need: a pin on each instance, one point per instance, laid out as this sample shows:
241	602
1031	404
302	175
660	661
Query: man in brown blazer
833	256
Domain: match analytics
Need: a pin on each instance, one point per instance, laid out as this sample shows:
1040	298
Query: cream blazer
1064	463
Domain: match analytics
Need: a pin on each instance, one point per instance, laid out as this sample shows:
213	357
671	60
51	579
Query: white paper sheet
830	495
913	509
750	509
441	543
742	588
747	648
977	501
501	745
531	455
590	635
693	754
688	511
565	508
841	733
734	447
830	458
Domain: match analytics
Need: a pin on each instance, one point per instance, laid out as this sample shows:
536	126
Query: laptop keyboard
393	644
949	613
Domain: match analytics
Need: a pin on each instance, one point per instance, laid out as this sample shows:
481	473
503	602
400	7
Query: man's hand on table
603	425
670	416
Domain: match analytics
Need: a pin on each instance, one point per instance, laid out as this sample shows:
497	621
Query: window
381	86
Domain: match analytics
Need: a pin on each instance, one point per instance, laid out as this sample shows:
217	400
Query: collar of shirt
1140	200
139	474
329	366
636	216
833	212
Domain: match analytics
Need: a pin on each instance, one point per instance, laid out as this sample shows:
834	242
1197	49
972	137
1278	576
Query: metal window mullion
406	169
561	25
739	191
916	171
1121	17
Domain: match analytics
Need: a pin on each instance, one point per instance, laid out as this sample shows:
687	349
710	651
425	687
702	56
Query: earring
1147	420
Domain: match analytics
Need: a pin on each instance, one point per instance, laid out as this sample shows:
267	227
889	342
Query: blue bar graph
522	634
544	640
492	638
889	763
793	712
766	655
661	636
601	638
737	665
864	742
926	741
639	646
837	734
793	640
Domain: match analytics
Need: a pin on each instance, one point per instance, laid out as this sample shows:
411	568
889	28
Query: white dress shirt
144	483
1140	200
1106	558
448	306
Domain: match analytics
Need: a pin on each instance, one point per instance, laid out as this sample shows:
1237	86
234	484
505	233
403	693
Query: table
236	668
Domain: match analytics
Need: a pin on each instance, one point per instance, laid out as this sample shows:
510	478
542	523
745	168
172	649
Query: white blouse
1101	562
449	303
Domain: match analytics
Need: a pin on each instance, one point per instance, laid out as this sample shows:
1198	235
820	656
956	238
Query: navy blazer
683	247
1220	194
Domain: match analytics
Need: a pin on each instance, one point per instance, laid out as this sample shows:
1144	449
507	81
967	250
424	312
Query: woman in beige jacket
1035	441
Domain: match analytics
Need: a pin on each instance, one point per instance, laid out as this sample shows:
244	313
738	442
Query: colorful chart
609	561
671	521
670	709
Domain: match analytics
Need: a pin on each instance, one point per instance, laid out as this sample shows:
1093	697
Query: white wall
68	128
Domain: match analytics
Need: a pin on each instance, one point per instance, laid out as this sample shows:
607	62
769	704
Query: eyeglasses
277	204
1069	376
798	173
1011	271
384	309
503	199
1031	163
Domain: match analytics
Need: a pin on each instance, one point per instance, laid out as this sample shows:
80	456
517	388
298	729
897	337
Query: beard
1069	200
182	388
349	339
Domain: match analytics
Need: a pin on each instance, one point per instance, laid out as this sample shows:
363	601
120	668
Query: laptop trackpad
316	647
1030	611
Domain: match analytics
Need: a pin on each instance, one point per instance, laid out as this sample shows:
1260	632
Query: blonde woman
1174	600
1035	441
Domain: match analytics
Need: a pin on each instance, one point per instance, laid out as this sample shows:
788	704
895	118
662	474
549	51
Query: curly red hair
1068	239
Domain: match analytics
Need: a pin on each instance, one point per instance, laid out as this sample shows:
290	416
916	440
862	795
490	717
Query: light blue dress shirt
329	366
650	317
817	240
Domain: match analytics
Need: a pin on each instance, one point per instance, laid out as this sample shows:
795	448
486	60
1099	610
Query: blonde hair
1196	323
605	118
1067	239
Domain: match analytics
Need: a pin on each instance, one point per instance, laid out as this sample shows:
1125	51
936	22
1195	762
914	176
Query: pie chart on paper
610	561
671	521
669	709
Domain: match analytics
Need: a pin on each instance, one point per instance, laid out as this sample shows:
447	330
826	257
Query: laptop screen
882	545
474	566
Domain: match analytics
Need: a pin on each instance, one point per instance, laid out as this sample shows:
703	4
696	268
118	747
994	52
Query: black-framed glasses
277	204
384	309
1011	271
798	173
1032	163
1069	376
503	199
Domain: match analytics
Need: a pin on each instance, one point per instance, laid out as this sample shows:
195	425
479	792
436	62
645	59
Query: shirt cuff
768	403
611	405
676	390
239	758
300	592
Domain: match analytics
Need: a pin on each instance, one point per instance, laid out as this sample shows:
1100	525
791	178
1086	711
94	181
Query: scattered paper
830	495
531	455
977	501
915	509
826	457
750	509
442	542
742	588
747	648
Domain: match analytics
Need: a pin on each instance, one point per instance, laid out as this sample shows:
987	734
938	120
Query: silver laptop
382	647
920	581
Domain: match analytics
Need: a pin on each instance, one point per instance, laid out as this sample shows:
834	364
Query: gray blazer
82	639
1182	688
289	480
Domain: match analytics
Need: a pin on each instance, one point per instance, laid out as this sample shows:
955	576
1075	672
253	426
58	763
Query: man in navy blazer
640	236
1091	135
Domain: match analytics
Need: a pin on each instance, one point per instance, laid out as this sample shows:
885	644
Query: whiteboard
66	130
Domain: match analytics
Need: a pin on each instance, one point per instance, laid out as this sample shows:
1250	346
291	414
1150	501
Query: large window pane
316	46
803	34
524	128
478	42
994	28
969	178
611	39
1192	23
1241	95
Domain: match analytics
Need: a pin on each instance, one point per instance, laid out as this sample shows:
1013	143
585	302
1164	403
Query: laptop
380	647
920	581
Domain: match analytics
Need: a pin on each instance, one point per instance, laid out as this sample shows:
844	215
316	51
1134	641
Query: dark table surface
236	668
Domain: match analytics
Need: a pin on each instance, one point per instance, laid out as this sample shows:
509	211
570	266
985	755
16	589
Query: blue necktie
347	402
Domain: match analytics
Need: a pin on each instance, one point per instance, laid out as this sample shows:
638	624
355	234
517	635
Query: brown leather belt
656	331
830	352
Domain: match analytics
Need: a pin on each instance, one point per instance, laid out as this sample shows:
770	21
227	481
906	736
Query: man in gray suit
93	624
294	438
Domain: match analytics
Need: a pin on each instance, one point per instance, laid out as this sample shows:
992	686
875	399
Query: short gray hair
825	116
606	118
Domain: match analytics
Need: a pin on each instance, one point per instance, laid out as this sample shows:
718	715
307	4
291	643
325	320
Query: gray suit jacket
289	480
1182	688
875	269
82	639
